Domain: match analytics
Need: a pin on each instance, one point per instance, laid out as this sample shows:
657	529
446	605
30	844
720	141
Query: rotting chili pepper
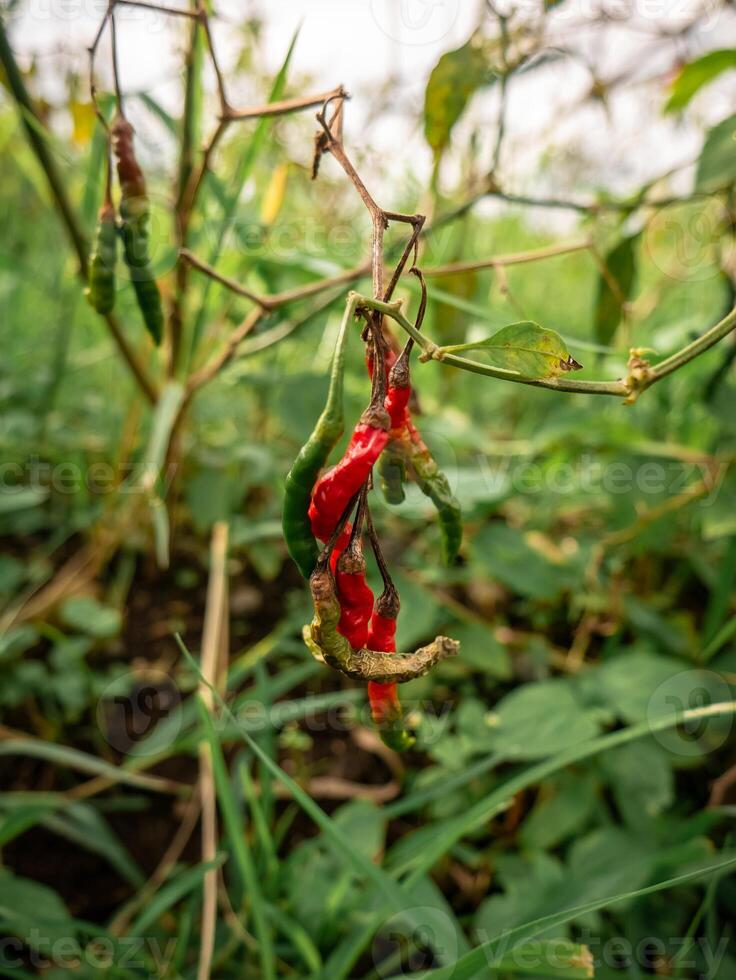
134	216
325	641
101	289
313	455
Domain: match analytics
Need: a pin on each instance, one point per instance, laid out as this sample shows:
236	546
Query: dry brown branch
215	616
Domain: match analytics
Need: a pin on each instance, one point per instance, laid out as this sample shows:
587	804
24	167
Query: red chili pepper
355	595
386	708
334	490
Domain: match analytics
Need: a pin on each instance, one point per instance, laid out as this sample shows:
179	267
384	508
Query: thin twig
223	357
275	300
115	63
286	105
511	258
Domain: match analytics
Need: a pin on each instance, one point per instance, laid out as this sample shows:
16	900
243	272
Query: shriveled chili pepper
134	215
101	289
313	455
324	639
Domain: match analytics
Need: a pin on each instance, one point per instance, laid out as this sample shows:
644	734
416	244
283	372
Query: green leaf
641	779
527	348
537	720
615	288
717	163
694	76
564	807
454	78
86	615
29	909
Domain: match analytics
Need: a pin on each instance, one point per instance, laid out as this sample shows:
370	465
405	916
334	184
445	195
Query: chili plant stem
620	388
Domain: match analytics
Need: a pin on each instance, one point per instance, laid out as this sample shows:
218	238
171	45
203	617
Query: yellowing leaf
83	121
526	348
453	80
275	193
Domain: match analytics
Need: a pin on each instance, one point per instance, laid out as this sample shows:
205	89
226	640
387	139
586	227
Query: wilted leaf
717	163
453	80
527	348
615	288
698	73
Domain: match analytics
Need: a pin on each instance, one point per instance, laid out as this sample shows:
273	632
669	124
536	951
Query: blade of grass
64	755
263	834
297	936
443	786
239	849
172	892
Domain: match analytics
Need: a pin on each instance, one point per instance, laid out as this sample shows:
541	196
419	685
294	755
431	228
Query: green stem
618	388
697	347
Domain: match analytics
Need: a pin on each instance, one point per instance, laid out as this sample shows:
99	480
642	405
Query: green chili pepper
392	471
312	457
101	289
134	216
433	483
